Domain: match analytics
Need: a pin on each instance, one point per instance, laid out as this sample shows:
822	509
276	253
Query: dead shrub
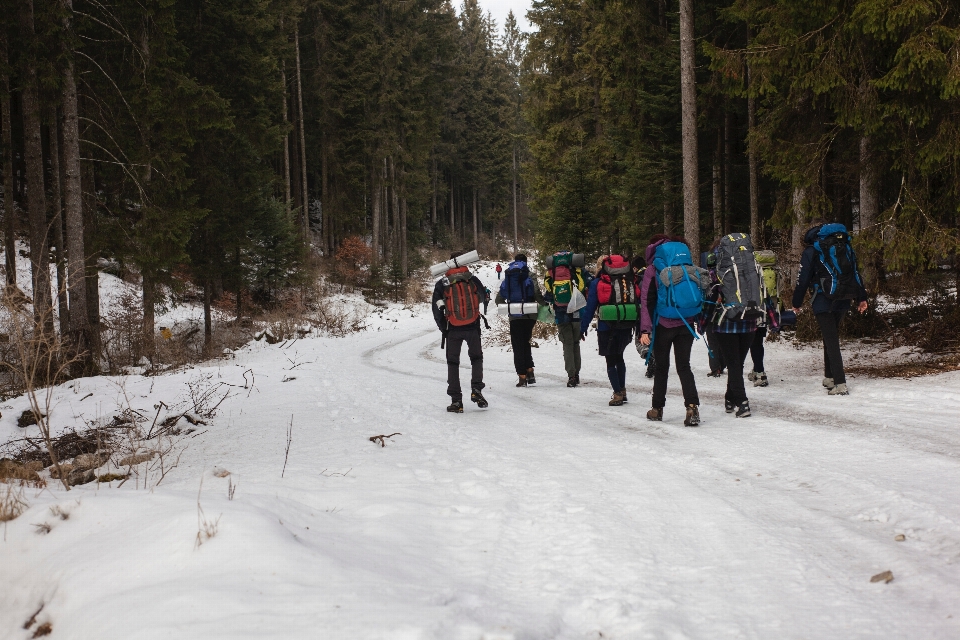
352	263
12	502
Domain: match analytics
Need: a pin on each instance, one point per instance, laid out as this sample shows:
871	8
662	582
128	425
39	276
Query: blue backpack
839	278
517	285
679	283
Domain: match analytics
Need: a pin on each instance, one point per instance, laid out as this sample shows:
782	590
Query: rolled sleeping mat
517	308
579	261
618	312
459	261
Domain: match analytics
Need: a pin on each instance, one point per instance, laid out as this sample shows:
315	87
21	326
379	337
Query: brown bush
352	262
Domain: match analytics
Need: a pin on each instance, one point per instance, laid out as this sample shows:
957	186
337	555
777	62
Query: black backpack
839	278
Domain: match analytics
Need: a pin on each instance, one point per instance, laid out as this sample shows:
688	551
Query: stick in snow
380	439
289	440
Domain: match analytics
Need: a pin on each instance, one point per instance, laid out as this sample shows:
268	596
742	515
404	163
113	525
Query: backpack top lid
518	265
563	259
831	229
766	258
616	265
458	274
671	254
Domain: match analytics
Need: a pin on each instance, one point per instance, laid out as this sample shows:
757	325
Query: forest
239	145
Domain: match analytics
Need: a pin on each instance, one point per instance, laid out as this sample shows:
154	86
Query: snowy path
549	515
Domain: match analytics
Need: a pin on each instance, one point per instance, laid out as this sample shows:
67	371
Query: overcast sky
500	9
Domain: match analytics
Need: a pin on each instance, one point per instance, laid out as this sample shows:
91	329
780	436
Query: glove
583	336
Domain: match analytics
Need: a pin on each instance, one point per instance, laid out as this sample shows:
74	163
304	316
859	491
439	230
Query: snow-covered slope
548	515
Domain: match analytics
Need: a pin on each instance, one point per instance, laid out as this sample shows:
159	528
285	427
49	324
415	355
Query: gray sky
500	9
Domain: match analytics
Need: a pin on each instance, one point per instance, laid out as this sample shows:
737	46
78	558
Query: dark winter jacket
440	317
811	270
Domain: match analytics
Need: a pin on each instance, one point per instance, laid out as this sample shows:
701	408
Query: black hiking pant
681	340
832	358
714	353
570	339
521	332
756	349
612	344
455	339
735	347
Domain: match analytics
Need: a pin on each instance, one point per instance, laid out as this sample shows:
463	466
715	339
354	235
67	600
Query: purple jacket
648	288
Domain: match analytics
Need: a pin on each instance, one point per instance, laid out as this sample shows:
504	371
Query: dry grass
12	502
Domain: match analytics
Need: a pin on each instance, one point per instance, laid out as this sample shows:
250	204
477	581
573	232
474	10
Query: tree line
706	116
227	141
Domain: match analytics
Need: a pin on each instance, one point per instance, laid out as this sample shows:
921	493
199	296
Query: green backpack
769	277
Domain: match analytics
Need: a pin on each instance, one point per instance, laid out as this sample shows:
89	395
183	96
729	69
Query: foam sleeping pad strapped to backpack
680	285
739	275
460	297
842	280
617	291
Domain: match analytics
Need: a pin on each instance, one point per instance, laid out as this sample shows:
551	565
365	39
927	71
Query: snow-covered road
548	515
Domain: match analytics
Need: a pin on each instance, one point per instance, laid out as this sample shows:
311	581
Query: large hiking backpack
839	278
770	284
460	297
740	286
517	286
562	277
680	285
617	291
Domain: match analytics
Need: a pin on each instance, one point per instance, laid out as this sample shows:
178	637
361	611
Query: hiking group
661	302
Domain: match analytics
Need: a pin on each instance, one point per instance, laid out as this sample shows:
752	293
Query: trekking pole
443	342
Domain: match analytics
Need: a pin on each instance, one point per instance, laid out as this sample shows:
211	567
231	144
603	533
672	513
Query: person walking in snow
519	288
616	295
828	269
708	260
456	310
558	286
670	325
499	270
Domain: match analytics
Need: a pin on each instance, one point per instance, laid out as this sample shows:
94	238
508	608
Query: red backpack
617	285
460	297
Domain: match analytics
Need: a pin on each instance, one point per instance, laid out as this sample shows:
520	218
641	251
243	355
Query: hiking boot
577	378
571	382
761	380
655	414
728	406
752	376
623	392
531	379
456	406
693	416
476	396
743	411
616	400
828	383
839	390
715	374
651	371
523	381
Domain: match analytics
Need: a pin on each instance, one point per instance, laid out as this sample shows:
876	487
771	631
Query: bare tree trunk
869	202
727	172
752	164
57	218
304	191
667	202
688	101
375	212
9	206
475	234
453	224
36	199
286	143
395	238
717	187
403	235
207	323
516	247
796	236
149	318
92	272
433	196
325	213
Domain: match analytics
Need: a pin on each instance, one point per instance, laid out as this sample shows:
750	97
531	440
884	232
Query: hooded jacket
809	276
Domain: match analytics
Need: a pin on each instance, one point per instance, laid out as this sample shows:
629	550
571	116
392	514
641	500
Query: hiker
639	265
738	307
499	270
563	277
770	320
670	309
708	260
828	268
456	302
518	288
615	294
